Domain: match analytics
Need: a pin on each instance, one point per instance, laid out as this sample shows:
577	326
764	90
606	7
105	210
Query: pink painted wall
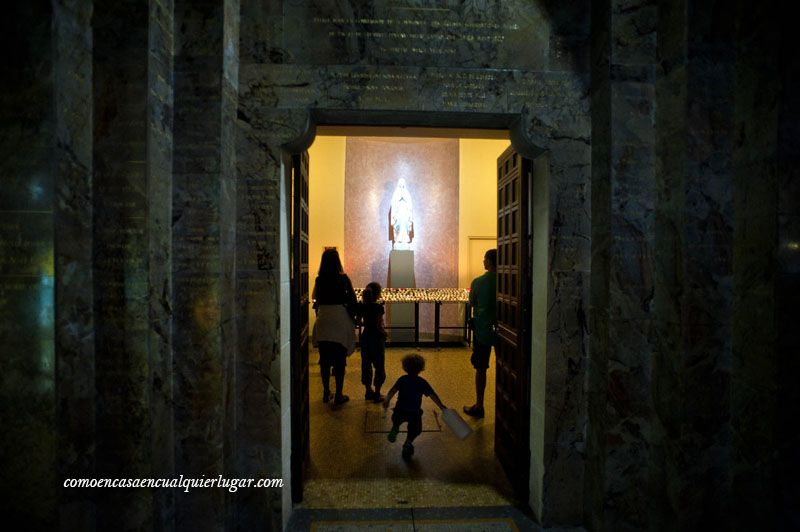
430	167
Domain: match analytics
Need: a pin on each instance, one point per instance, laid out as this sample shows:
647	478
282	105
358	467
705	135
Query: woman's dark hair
371	293
330	264
413	364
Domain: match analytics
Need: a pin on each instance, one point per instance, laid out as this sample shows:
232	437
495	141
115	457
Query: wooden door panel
513	306
299	324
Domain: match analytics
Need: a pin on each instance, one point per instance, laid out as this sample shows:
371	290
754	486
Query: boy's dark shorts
480	354
414	420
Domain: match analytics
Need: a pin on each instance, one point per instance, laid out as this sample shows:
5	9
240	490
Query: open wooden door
299	324
513	349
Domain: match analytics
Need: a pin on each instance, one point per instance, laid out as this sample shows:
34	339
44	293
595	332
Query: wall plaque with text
454	33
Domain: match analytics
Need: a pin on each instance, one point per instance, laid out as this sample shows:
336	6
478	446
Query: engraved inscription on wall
384	87
465	33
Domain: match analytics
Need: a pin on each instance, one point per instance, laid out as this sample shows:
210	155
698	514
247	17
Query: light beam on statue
401	218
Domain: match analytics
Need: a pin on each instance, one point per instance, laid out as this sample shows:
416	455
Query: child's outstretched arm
435	399
389	396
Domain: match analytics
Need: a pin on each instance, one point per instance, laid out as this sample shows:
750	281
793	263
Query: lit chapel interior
172	171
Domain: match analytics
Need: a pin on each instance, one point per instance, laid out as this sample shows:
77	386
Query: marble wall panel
565	414
131	216
203	204
567	341
160	110
27	361
597	365
73	257
671	93
754	364
227	235
430	168
705	305
788	283
623	244
569	47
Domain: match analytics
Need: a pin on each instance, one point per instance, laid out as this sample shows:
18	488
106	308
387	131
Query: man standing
482	300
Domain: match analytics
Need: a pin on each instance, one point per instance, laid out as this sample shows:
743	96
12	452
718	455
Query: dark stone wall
707	299
120	232
27	359
787	287
160	105
764	397
623	264
87	155
671	139
202	222
74	294
597	365
712	194
132	116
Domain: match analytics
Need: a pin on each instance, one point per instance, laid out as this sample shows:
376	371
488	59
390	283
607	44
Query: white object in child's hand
456	424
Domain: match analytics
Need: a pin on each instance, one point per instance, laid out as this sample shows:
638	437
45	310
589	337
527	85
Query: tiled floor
354	466
359	482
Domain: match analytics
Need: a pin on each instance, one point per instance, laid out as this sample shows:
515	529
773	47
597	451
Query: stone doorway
541	165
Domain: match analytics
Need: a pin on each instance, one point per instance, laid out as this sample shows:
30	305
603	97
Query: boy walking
408	409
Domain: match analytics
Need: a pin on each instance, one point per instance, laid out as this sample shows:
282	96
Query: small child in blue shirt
410	389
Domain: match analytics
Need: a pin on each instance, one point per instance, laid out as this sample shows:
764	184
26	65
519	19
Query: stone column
27	397
203	240
757	197
693	295
132	118
74	312
787	289
160	89
623	266
671	154
694	291
597	366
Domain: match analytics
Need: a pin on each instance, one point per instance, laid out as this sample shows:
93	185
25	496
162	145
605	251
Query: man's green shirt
482	298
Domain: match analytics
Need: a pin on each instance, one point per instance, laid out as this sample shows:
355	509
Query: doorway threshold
466	519
398	493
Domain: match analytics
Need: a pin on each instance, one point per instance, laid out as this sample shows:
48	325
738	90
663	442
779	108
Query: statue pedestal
401	275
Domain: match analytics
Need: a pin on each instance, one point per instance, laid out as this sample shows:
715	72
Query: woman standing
334	334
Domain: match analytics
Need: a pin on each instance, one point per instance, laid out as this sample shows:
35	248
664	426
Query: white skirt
334	324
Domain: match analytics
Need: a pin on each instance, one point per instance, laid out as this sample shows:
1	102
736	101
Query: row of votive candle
412	295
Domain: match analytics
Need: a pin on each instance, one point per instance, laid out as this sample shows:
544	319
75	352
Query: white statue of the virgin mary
401	220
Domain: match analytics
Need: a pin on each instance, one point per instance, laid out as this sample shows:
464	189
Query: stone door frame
519	138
